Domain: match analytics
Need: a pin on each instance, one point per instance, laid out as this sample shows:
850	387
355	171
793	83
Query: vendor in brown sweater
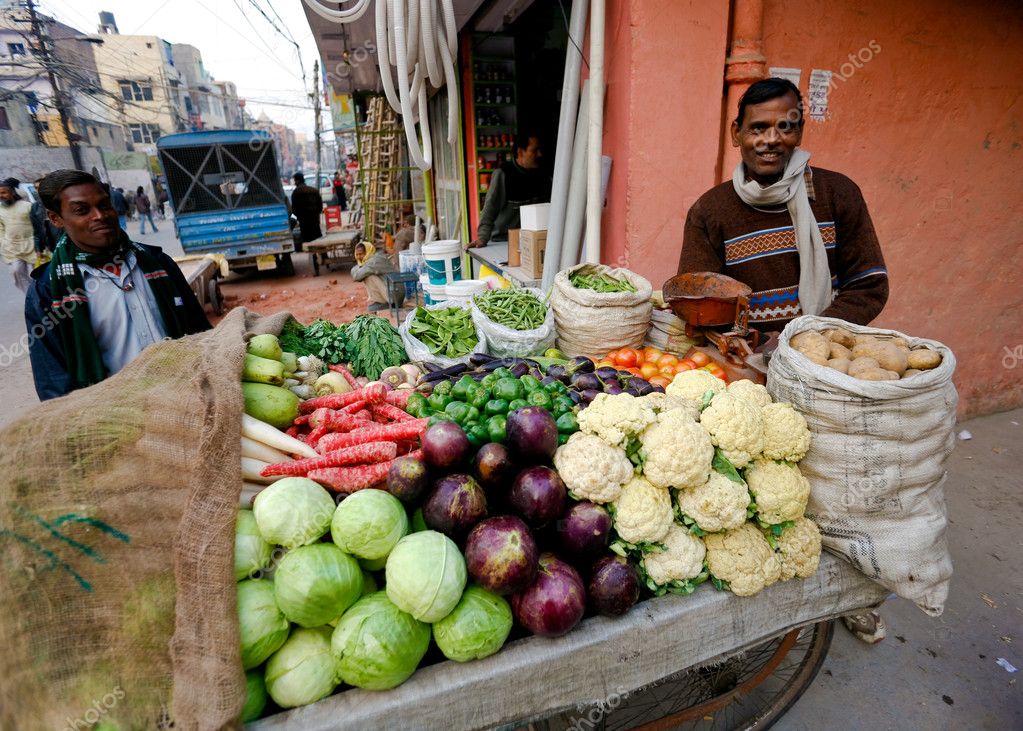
801	238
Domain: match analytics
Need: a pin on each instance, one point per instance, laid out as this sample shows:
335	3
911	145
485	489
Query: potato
888	356
876	374
813	345
910	372
923	359
840	364
840	351
862	364
899	343
842	337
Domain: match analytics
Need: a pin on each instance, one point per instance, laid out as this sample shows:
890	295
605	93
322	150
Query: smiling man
102	298
801	238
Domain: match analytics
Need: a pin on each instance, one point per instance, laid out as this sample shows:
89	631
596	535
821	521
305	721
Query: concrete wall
30	163
22	132
930	126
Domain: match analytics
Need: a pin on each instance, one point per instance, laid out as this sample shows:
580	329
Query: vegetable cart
335	248
671	660
203	275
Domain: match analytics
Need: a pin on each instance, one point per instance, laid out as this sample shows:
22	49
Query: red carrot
347	374
391	412
374	393
369	453
300	420
364	415
292	431
330	401
398	398
316	435
355	407
336	421
351	479
384	433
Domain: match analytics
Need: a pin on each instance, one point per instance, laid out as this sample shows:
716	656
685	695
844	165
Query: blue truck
226	193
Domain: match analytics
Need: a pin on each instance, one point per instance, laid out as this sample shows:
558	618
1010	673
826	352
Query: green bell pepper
480	432
438	401
472	415
497	426
477	395
470	434
438	418
562	438
444	387
496	406
508	389
557	388
530	383
489	380
540	398
503	373
562	405
517	404
458	411
416	403
567	423
461	388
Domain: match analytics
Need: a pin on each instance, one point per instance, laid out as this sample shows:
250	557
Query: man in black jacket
519	182
307	205
102	298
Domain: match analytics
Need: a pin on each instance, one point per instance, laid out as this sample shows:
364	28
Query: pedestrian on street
340	198
307	205
46	234
120	205
145	210
161	203
17	239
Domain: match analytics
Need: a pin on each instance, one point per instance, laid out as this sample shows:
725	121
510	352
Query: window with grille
144	133
136	91
15	49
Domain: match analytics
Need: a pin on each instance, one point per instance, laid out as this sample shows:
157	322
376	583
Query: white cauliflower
642	513
799	549
734	425
591	468
719	504
750	391
681	559
616	419
677	451
694	384
662	402
743	559
786	435
779	489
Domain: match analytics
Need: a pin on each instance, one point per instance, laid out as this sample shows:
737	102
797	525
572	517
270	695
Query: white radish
248	494
260	451
271	436
251	469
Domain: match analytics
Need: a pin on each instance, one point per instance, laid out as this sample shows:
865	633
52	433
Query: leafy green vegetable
448	331
372	344
322	339
722	464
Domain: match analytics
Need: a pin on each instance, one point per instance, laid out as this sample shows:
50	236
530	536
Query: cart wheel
214	297
751	690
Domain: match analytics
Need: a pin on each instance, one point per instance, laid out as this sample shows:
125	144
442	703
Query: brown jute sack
592	323
117	512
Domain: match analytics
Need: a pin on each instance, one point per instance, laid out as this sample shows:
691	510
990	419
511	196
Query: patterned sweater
758	247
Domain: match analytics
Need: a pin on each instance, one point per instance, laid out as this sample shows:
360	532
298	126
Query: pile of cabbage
311	614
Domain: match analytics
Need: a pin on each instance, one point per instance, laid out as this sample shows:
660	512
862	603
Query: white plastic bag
876	464
506	342
418	351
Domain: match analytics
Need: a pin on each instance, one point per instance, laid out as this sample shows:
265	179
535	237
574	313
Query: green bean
601	282
513	308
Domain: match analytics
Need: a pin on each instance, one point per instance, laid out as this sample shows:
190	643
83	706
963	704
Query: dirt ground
330	296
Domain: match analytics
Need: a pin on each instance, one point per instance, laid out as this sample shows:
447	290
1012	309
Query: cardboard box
513	247
534	217
531	250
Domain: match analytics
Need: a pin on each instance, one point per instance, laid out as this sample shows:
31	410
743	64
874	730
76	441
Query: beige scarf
814	274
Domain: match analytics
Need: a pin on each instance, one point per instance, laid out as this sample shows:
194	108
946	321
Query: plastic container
463	290
432	293
409	262
443	261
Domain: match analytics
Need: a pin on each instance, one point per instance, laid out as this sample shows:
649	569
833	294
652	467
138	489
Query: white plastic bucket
463	290
432	293
443	261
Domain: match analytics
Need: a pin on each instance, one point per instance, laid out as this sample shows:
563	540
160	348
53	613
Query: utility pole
58	95
316	109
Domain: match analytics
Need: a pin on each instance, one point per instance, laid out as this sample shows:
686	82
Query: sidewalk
943	673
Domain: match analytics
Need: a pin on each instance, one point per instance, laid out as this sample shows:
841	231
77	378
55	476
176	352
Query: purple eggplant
614	586
632	391
588	395
575	396
584	381
643	387
554	603
557	371
501	555
658	389
612	381
519	369
532	435
584	529
605	372
456	504
581	364
613	389
538	495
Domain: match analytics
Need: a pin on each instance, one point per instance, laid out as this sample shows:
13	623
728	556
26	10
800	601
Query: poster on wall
817	94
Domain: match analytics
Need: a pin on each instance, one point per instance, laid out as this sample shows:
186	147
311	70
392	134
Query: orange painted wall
930	127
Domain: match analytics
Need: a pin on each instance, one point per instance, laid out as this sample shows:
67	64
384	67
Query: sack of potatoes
866	357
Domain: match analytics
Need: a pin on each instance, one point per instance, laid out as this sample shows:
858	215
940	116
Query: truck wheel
285	265
214	297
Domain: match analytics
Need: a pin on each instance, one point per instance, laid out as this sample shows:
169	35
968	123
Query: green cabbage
377	645
255	695
293	512
304	670
261	624
251	552
368	523
476	628
316	584
425	575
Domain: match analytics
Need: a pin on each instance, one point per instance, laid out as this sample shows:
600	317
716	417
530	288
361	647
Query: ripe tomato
627	358
668	372
661	381
715	369
633	370
611	355
605	362
651	354
667	361
689	365
648	369
699	358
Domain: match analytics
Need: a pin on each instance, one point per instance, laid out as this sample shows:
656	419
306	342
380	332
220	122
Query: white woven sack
506	342
876	463
418	352
593	323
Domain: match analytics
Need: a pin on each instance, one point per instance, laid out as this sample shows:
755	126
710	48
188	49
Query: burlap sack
593	323
117	511
876	464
